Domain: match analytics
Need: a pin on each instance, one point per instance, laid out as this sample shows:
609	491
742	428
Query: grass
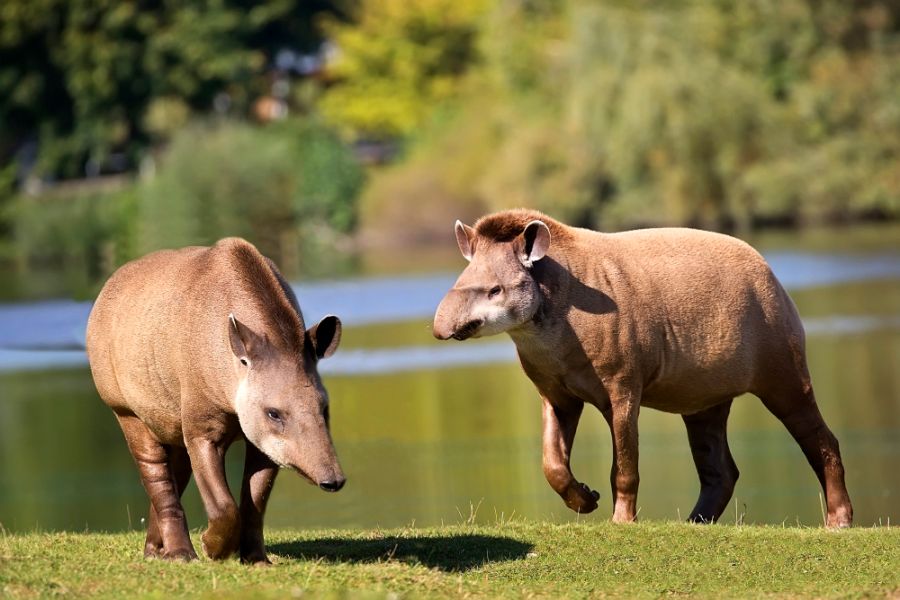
518	559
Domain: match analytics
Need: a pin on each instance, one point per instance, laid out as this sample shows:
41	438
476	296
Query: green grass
510	560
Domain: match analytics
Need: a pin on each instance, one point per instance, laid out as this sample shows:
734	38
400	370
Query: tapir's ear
325	336
535	242
242	340
464	237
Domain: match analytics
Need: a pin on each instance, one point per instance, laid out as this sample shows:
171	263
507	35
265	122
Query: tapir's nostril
334	485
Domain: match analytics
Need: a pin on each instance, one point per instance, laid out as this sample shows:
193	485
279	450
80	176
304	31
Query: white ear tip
232	319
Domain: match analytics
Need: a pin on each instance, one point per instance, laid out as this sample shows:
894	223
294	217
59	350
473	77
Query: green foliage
397	61
716	114
84	77
290	188
275	185
85	234
506	560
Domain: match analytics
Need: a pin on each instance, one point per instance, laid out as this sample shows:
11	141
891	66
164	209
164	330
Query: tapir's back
704	308
705	281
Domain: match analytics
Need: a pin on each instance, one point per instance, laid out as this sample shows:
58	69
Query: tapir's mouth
467	330
303	474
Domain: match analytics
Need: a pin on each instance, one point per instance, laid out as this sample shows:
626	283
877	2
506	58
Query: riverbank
507	559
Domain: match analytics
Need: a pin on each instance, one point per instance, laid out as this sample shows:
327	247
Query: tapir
193	349
675	319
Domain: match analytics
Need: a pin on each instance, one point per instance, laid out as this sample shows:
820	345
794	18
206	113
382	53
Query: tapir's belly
688	399
690	386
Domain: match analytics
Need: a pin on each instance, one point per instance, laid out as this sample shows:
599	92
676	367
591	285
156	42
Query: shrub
276	186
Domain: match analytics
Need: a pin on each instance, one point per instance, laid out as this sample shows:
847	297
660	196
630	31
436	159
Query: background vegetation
129	126
717	114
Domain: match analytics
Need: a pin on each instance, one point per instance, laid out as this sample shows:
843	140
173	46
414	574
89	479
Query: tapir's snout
317	462
331	481
450	320
441	330
333	485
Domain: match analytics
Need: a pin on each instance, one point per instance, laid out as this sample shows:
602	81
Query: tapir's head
280	401
496	292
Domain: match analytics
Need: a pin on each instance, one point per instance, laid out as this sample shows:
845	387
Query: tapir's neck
560	286
554	280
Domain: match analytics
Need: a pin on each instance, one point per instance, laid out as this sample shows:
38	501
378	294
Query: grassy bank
518	559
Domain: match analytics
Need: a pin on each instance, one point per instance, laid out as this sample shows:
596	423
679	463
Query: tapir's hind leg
797	409
715	466
180	467
153	463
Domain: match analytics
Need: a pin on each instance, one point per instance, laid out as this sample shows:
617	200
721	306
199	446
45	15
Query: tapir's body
695	317
675	319
195	348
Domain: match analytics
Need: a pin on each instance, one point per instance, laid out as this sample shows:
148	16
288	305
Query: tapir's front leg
259	477
560	424
222	537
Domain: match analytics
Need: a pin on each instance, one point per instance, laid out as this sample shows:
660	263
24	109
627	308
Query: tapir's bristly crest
254	272
675	319
508	225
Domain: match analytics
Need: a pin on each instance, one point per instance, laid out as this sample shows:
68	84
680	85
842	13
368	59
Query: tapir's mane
508	225
257	278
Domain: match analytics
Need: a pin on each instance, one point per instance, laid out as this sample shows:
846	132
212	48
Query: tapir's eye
273	414
244	361
494	291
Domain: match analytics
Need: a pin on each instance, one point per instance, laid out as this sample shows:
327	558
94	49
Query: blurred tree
290	187
81	79
398	61
280	185
718	114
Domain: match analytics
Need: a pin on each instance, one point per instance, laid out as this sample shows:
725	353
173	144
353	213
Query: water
429	432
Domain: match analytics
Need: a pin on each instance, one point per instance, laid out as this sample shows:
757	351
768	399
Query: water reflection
422	446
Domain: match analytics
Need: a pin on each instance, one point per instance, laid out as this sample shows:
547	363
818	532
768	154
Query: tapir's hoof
581	498
256	559
218	547
838	522
183	554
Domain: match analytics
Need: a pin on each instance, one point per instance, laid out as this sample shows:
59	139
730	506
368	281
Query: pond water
431	432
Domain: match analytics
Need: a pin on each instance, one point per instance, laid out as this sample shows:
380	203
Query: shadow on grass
451	553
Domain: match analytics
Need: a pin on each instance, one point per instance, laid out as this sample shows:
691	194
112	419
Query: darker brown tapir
193	349
678	320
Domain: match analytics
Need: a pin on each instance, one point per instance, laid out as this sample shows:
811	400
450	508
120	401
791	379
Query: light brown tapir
193	349
679	320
